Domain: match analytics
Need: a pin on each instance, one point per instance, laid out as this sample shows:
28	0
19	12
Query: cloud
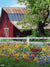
0	8
19	5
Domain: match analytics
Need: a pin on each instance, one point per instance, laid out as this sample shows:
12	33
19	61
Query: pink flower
32	55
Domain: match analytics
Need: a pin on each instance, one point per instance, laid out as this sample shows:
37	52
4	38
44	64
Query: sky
10	3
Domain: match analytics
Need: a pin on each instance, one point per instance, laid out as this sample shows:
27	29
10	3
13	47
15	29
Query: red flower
9	43
26	60
3	46
17	59
31	44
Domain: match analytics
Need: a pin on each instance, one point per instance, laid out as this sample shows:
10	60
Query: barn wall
3	24
10	26
16	32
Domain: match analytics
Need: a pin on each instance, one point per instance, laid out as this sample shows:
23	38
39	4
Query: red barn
8	24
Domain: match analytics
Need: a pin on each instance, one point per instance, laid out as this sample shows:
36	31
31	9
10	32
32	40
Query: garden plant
21	55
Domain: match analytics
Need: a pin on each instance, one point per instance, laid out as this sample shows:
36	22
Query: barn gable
15	15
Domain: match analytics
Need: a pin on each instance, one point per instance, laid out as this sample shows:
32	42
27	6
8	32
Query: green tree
38	12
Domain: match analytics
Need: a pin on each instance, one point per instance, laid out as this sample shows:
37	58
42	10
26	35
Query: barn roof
11	10
15	14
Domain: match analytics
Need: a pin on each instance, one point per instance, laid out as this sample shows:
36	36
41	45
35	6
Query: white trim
25	38
6	28
6	33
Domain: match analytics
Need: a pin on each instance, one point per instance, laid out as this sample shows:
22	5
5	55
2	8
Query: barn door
6	32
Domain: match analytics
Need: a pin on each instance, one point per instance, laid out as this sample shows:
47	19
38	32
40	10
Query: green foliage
35	33
48	40
37	11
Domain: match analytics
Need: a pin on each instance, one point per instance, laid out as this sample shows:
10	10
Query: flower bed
21	52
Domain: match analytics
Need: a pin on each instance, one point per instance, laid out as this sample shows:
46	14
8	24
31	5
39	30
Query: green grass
48	40
11	62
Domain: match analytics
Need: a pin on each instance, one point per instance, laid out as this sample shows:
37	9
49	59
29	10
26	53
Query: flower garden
21	55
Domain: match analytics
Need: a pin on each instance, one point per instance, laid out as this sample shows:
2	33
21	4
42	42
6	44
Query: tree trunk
42	25
41	28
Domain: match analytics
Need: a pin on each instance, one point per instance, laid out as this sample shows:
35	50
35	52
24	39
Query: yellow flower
46	48
48	54
5	55
26	46
43	49
14	55
35	59
8	55
47	45
8	50
20	45
17	54
5	45
24	56
37	54
21	48
2	54
43	54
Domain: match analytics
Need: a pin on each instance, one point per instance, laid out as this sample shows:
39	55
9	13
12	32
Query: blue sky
9	3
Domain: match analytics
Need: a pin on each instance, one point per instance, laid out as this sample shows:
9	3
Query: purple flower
25	52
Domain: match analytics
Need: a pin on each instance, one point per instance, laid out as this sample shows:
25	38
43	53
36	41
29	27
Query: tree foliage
38	12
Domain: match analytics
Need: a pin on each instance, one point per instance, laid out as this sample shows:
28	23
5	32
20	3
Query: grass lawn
11	62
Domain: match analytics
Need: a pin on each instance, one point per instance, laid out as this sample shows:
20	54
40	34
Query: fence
22	38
